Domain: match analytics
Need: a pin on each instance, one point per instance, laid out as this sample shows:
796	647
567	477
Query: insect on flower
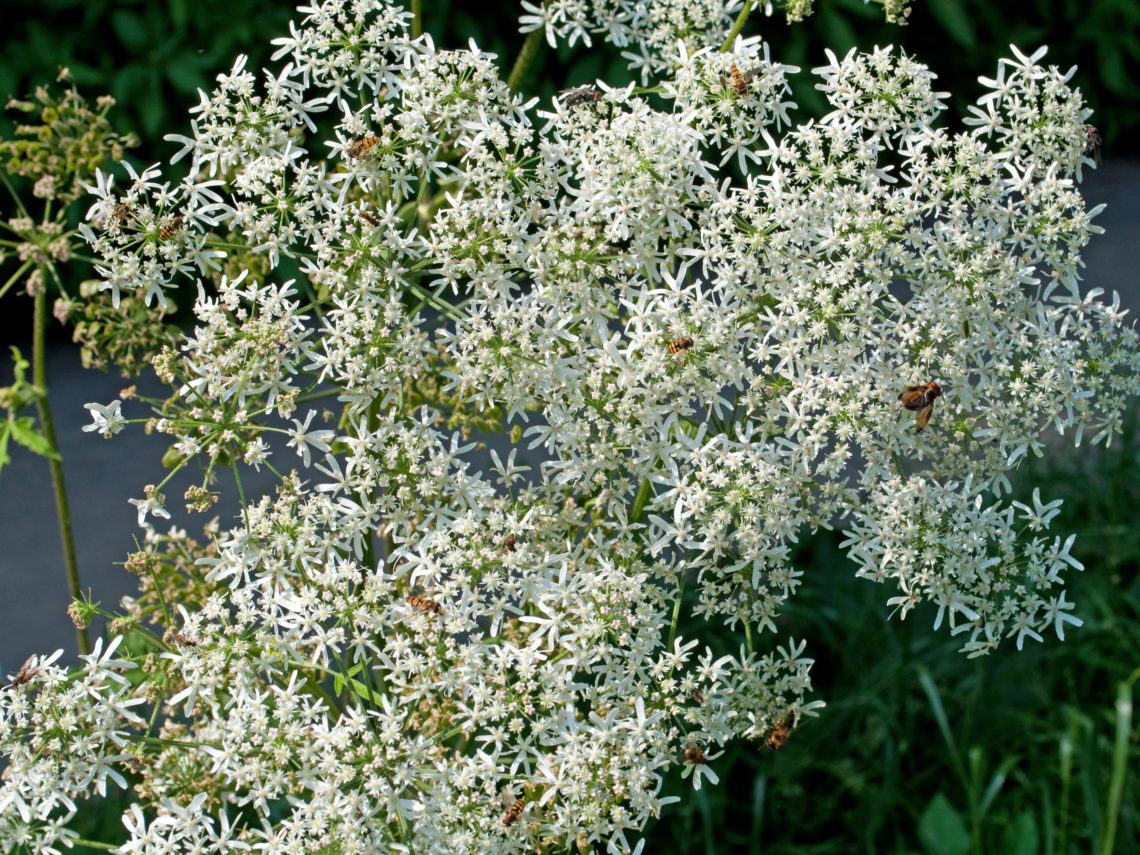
27	671
781	732
424	604
513	813
694	755
170	227
120	214
368	218
679	345
1092	143
582	95
739	81
359	149
510	544
921	399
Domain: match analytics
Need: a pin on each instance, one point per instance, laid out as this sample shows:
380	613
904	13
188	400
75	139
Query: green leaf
19	365
1113	72
931	691
953	18
942	830
1020	836
24	432
837	30
185	73
129	29
997	781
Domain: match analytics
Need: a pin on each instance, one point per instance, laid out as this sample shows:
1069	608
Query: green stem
527	56
1121	750
417	20
738	26
15	277
39	329
93	844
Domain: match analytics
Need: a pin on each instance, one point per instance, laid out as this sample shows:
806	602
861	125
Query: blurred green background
919	750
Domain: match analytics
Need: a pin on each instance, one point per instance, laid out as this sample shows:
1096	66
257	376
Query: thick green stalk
39	331
527	55
738	25
417	20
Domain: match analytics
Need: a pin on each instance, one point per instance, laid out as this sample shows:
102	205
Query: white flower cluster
708	367
650	30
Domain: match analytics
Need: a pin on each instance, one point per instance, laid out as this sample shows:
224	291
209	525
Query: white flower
302	438
153	504
106	419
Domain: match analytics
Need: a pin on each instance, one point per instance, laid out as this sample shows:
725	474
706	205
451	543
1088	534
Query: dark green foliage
152	57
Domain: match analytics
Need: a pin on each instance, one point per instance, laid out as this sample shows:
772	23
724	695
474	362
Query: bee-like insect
1093	141
921	399
513	813
360	148
368	218
170	227
582	95
27	671
510	544
679	345
781	732
694	755
424	604
183	641
739	81
120	214
697	695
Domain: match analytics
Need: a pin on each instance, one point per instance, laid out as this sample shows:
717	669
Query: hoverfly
920	399
781	732
120	214
679	345
513	813
360	148
424	604
739	81
170	227
1093	141
582	95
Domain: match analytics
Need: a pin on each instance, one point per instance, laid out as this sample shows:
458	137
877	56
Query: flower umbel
405	653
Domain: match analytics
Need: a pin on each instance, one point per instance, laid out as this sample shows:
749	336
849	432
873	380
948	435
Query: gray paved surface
103	474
